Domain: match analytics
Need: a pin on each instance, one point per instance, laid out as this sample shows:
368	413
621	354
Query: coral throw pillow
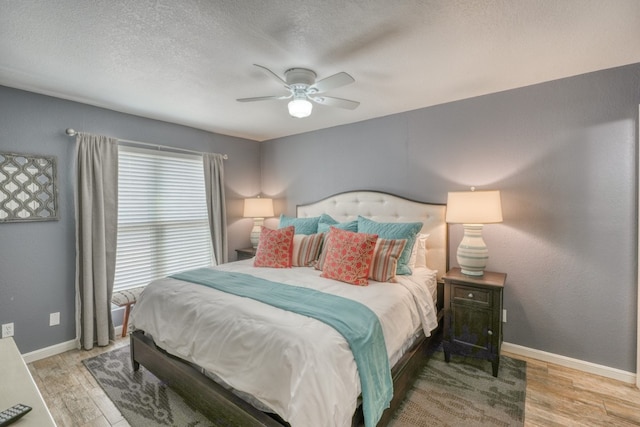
275	248
348	256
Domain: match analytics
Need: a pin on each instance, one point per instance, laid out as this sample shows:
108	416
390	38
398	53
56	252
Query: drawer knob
470	295
489	332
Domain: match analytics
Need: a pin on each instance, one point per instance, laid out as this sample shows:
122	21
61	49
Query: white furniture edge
384	207
23	388
568	362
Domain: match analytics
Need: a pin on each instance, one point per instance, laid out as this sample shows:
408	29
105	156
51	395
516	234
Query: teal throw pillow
393	230
326	221
302	225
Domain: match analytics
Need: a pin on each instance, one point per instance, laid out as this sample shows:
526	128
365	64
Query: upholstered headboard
384	207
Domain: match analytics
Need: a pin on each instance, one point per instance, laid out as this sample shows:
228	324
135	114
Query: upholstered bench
126	298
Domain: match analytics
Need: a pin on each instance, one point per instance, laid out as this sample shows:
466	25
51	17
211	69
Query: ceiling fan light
300	108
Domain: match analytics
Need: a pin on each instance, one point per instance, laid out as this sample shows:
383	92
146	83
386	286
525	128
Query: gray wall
563	155
37	260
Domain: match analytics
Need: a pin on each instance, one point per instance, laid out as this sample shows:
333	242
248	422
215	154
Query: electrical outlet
504	315
54	319
7	330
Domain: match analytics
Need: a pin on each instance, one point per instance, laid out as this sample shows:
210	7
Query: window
163	227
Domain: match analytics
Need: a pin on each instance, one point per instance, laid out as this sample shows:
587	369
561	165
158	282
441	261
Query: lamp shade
258	208
474	207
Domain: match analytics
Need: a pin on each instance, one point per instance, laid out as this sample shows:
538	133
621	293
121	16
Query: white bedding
299	367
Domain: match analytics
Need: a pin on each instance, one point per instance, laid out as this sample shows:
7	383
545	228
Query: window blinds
162	216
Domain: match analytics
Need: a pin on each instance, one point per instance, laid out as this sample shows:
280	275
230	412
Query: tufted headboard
384	207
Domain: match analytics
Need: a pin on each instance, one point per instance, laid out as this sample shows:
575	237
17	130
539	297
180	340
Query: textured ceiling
187	61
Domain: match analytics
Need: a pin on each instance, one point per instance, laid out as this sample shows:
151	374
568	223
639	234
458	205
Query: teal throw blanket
356	322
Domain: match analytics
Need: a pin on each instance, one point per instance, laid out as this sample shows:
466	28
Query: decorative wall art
28	188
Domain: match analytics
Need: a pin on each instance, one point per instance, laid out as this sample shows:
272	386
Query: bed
243	363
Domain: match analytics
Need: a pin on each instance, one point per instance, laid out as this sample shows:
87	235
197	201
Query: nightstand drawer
471	294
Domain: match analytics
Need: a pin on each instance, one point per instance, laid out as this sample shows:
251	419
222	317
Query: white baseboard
49	351
58	348
568	362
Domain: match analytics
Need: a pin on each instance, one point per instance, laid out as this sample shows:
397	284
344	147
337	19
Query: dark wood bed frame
226	409
223	407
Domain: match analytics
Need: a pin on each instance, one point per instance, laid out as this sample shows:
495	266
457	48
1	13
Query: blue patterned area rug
460	393
143	399
465	393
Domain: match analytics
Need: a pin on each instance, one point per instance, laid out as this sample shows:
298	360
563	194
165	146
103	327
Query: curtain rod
73	132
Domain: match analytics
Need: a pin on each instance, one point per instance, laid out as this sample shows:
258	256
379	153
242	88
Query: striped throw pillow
306	249
319	264
385	259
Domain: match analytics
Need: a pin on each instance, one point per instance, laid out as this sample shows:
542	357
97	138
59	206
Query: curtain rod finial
71	132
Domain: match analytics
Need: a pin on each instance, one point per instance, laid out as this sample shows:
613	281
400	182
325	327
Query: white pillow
418	257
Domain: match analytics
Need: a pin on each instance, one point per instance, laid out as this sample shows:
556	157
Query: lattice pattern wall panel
28	188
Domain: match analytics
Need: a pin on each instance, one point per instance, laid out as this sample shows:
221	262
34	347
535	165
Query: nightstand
245	253
473	315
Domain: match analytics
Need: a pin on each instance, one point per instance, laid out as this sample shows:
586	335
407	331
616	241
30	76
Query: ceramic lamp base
255	231
472	253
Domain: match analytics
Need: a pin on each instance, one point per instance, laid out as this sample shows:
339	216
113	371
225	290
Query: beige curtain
96	235
216	206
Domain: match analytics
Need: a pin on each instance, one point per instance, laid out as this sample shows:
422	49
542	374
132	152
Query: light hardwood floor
559	396
556	396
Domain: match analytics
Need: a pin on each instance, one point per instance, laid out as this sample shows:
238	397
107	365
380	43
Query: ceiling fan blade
274	75
332	82
264	98
335	102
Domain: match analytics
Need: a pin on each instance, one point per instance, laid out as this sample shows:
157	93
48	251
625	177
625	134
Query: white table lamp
258	209
473	209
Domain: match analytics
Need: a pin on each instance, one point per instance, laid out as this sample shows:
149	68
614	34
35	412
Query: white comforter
299	367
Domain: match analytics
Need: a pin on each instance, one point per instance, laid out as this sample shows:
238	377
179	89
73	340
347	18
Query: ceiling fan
303	88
